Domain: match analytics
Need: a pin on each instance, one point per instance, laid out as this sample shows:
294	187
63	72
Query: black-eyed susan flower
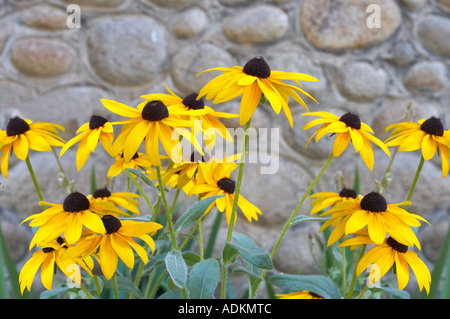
208	118
385	255
305	294
89	134
47	258
323	200
252	81
126	200
428	135
348	128
380	218
139	160
70	218
117	242
217	181
152	121
22	134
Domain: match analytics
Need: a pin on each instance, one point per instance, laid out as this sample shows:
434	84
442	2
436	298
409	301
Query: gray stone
362	82
45	17
403	53
16	238
428	75
294	254
235	3
193	59
6	29
189	23
341	24
256	25
127	50
434	33
96	3
41	57
432	239
174	4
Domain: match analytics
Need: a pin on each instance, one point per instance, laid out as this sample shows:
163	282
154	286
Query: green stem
114	285
200	239
294	213
416	177
97	285
235	202
352	285
86	292
166	207
238	182
344	271
363	292
62	173
130	175
36	185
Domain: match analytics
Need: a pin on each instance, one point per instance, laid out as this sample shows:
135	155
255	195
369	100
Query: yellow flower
89	134
151	121
373	212
428	135
48	257
347	128
252	81
121	199
326	199
385	255
216	177
116	243
69	218
21	135
210	125
138	160
300	295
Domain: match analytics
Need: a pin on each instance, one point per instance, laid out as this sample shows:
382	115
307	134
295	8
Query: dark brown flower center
395	245
227	185
374	202
347	192
433	126
102	192
351	120
196	157
47	250
16	126
155	111
111	223
191	102
136	155
76	202
257	67
96	121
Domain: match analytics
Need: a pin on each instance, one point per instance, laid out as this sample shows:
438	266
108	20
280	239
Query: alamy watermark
373	21
73	21
262	148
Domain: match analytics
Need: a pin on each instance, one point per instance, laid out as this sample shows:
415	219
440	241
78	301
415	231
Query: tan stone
41	57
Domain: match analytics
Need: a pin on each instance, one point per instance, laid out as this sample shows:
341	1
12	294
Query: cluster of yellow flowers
85	228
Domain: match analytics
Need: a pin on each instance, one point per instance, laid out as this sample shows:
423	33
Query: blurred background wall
374	61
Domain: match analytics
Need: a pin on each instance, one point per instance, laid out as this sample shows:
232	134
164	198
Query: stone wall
127	48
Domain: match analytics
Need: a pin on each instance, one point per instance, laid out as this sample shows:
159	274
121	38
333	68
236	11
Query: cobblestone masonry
126	48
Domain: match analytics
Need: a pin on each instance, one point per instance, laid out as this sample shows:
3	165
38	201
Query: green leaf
304	218
194	212
203	279
177	268
48	294
7	262
229	253
321	285
252	253
144	178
